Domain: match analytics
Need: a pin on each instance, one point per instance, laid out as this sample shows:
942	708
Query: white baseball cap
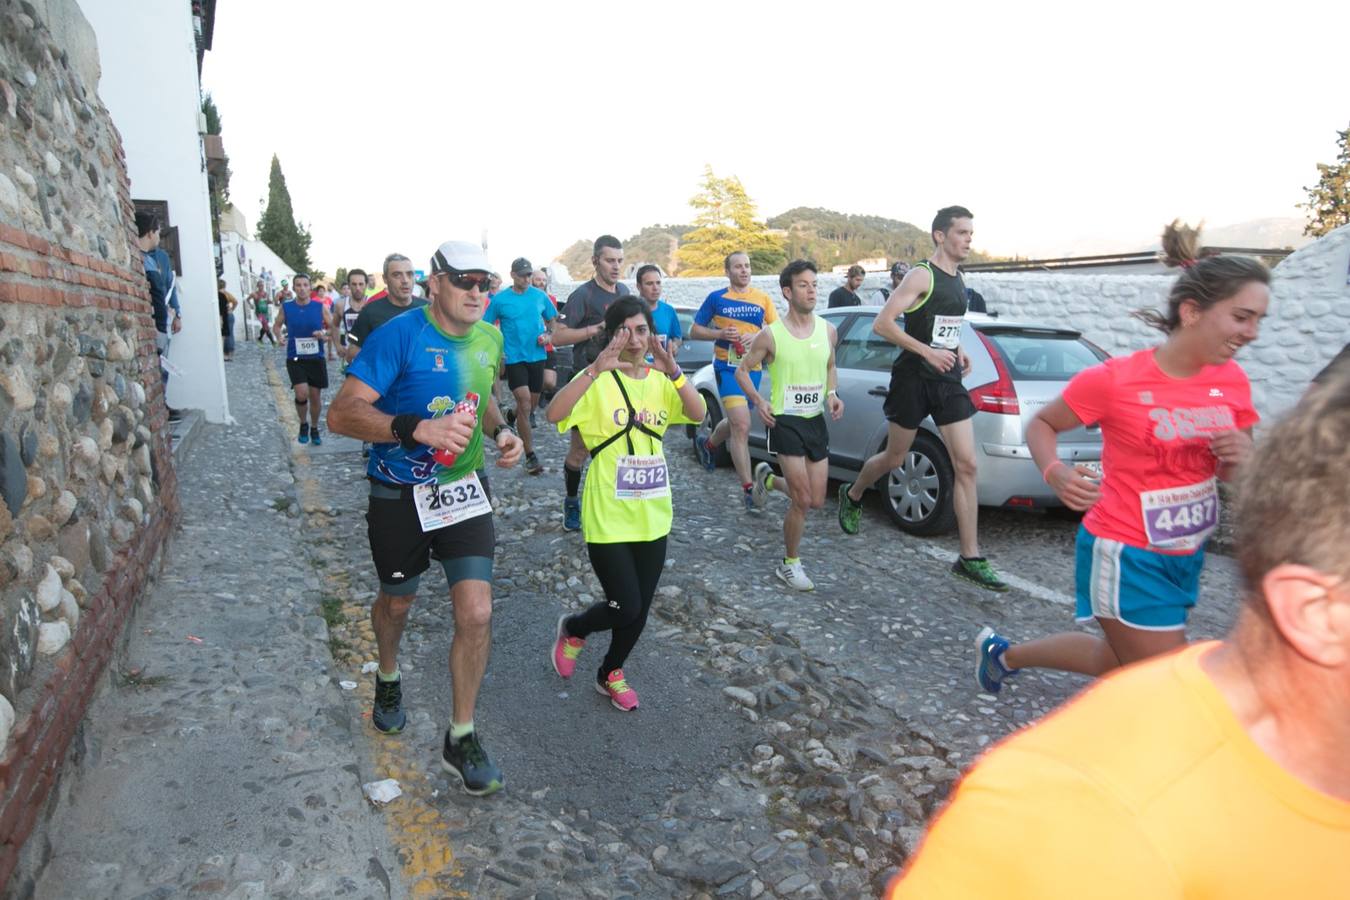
459	256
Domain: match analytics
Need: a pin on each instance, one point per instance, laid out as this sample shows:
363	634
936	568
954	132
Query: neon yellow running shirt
606	516
799	370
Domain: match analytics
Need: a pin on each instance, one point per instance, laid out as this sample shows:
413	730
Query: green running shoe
850	513
977	571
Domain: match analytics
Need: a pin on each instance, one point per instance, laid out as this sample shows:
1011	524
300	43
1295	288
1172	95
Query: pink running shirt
1158	487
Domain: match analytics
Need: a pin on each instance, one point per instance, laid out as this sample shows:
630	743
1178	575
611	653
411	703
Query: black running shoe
387	713
467	759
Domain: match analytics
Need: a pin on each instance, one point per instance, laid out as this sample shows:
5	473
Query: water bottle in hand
468	404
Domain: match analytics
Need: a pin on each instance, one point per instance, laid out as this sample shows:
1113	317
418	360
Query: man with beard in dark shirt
847	293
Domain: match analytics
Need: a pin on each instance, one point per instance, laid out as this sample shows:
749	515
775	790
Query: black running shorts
798	436
525	374
402	551
313	372
912	398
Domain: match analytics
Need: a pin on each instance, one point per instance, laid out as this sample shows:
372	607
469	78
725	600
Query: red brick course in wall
36	272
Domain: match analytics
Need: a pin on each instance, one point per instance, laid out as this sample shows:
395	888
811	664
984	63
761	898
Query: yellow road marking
416	828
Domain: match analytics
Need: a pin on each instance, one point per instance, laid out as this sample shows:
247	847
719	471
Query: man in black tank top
926	381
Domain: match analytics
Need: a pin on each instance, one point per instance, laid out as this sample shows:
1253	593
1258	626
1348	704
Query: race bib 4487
1180	518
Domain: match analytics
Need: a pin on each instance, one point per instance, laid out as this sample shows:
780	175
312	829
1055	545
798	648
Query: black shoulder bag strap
627	429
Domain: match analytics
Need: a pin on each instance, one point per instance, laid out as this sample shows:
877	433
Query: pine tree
1329	200
278	229
726	222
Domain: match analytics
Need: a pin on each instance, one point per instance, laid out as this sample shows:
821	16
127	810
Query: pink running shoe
565	651
621	696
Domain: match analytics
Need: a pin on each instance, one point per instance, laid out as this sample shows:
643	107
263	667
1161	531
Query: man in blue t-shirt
665	322
421	391
525	317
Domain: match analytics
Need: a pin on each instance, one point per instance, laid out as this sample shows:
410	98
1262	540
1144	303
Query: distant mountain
1261	234
827	237
653	244
1273	233
832	238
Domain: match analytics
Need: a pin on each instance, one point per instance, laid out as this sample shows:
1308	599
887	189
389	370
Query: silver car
1016	368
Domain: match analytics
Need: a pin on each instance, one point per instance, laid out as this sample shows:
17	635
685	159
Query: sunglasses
467	281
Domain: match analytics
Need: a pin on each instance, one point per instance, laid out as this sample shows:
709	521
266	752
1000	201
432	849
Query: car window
1045	356
860	348
686	318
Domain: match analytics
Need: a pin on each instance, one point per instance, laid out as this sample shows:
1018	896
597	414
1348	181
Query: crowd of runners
432	381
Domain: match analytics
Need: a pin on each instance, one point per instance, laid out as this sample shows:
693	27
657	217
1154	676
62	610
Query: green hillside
827	237
832	238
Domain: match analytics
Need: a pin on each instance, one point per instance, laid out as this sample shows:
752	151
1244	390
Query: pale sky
403	123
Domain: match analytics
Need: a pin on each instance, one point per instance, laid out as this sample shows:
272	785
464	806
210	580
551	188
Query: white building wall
149	83
242	271
1307	324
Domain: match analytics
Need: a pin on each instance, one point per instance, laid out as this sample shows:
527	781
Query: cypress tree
278	229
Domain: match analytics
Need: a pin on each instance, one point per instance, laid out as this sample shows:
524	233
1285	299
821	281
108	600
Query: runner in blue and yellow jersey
421	392
732	317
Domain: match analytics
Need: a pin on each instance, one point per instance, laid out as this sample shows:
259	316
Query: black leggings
628	573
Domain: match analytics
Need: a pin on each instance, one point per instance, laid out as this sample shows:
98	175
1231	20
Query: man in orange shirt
1217	771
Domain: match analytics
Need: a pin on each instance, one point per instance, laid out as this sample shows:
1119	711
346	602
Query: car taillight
998	396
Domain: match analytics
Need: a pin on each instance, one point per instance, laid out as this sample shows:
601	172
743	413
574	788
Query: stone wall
1308	322
86	474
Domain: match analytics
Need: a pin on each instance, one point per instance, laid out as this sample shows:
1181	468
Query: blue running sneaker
989	668
706	457
304	433
387	714
467	759
315	438
571	514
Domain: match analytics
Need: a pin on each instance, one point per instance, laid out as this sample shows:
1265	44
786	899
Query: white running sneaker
759	489
794	576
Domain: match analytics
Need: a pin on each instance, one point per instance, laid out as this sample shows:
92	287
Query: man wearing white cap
421	392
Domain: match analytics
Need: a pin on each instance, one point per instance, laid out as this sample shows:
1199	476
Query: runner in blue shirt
665	322
421	392
307	323
525	316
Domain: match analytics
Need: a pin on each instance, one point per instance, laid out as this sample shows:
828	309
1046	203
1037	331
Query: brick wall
87	489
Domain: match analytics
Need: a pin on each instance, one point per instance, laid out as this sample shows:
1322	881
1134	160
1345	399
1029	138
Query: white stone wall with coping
149	85
1308	322
242	274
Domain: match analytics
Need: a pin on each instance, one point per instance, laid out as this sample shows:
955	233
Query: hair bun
1180	245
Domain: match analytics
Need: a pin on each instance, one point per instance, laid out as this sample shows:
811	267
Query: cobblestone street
788	745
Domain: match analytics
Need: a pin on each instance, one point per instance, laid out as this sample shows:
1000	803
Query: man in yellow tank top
798	352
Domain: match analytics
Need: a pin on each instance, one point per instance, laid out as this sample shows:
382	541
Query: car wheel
919	492
721	456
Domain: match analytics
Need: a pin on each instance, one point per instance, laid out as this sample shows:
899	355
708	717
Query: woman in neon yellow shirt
621	407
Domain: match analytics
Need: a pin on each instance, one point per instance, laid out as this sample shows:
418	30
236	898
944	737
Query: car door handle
879	391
